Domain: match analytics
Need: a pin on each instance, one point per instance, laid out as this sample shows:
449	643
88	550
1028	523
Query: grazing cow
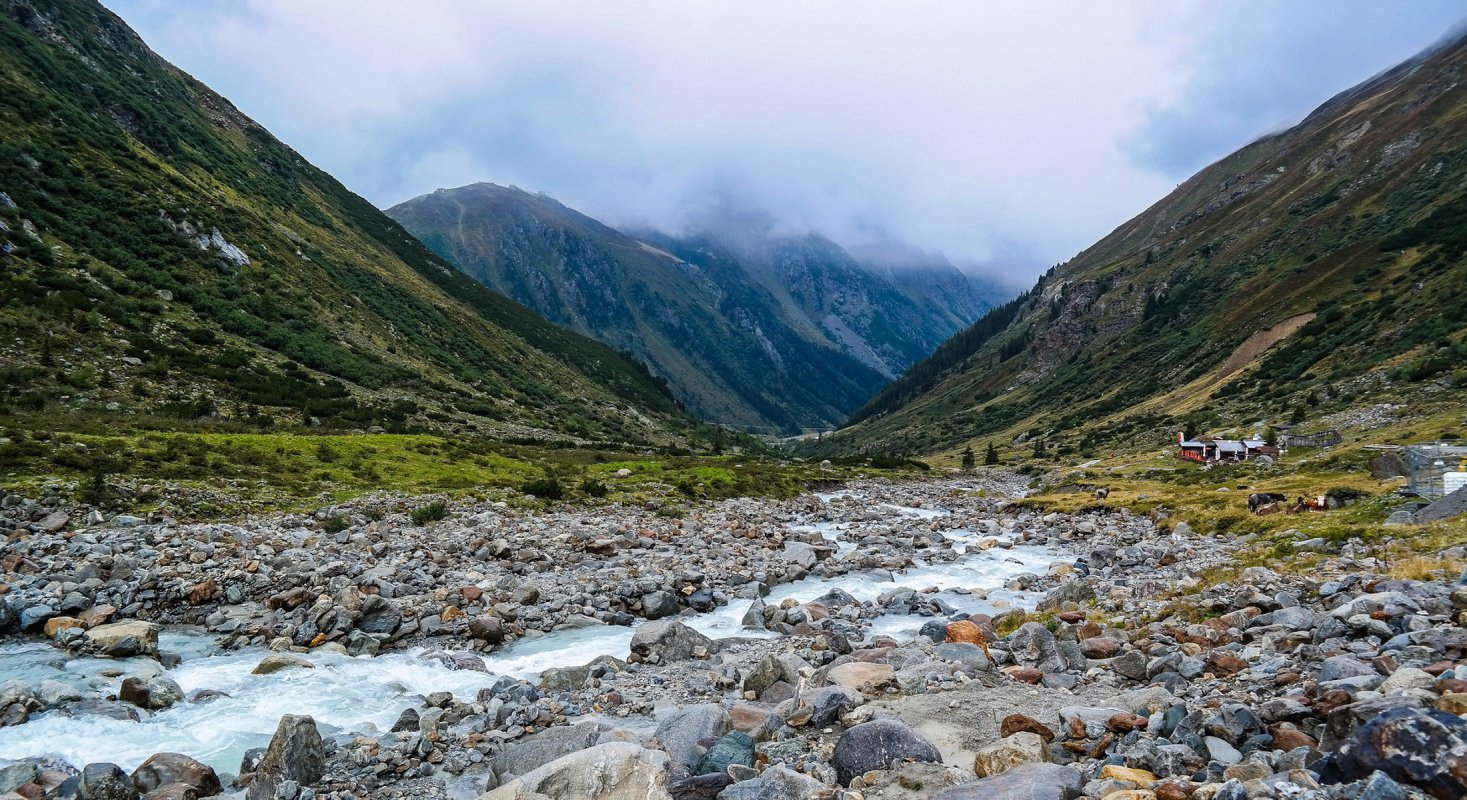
1258	499
1102	493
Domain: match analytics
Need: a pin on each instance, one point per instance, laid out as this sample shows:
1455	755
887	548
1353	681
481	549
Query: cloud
1007	135
1262	65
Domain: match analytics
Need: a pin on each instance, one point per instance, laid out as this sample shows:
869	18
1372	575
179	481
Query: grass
1215	502
207	475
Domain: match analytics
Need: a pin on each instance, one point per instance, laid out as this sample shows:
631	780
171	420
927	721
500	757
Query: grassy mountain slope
789	335
167	262
1311	270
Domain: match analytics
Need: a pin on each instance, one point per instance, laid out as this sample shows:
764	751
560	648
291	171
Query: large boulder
875	745
820	708
681	733
105	782
1426	749
1033	645
296	753
667	640
275	662
659	604
162	769
379	615
612	771
777	783
1025	782
531	752
734	748
121	639
1009	752
855	674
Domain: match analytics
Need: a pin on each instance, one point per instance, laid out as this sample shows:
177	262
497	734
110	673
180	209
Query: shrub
335	524
432	512
594	488
544	488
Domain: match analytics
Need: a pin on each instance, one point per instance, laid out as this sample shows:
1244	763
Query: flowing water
366	694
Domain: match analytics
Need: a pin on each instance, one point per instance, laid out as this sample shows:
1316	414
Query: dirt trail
1185	397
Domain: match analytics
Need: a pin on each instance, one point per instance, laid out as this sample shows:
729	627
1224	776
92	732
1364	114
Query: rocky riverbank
868	643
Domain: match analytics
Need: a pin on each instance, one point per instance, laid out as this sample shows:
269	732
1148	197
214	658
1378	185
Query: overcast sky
1004	135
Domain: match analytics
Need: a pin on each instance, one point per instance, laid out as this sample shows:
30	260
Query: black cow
1264	498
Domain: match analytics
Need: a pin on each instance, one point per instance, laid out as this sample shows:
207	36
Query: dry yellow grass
1423	568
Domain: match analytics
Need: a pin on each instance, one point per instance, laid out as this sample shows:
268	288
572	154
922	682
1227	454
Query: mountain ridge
167	259
767	333
1337	216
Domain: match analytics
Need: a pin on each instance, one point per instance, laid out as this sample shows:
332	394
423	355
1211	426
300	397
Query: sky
1007	136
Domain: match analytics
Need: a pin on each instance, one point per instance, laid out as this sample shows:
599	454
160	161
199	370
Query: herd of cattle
1272	503
1263	503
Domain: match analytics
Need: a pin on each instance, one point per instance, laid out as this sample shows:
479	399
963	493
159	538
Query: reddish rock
1330	701
96	615
1125	723
1286	678
1287	737
965	631
471	593
56	624
203	592
1071	617
1026	675
745	717
1452	685
134	691
1172	790
1089	630
1014	723
1222	663
1099	647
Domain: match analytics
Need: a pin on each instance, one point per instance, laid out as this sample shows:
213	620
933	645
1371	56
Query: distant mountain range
1322	264
764	332
164	260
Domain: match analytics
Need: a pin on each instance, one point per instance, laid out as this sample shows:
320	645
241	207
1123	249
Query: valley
480	497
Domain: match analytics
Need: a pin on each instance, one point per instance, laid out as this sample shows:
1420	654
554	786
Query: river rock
1014	723
1426	749
1033	645
295	754
700	787
667	640
733	748
1023	782
275	662
163	692
612	771
164	768
681	733
855	674
764	674
1022	747
379	615
487	627
104	781
532	752
121	639
825	705
659	604
14	776
777	783
875	745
